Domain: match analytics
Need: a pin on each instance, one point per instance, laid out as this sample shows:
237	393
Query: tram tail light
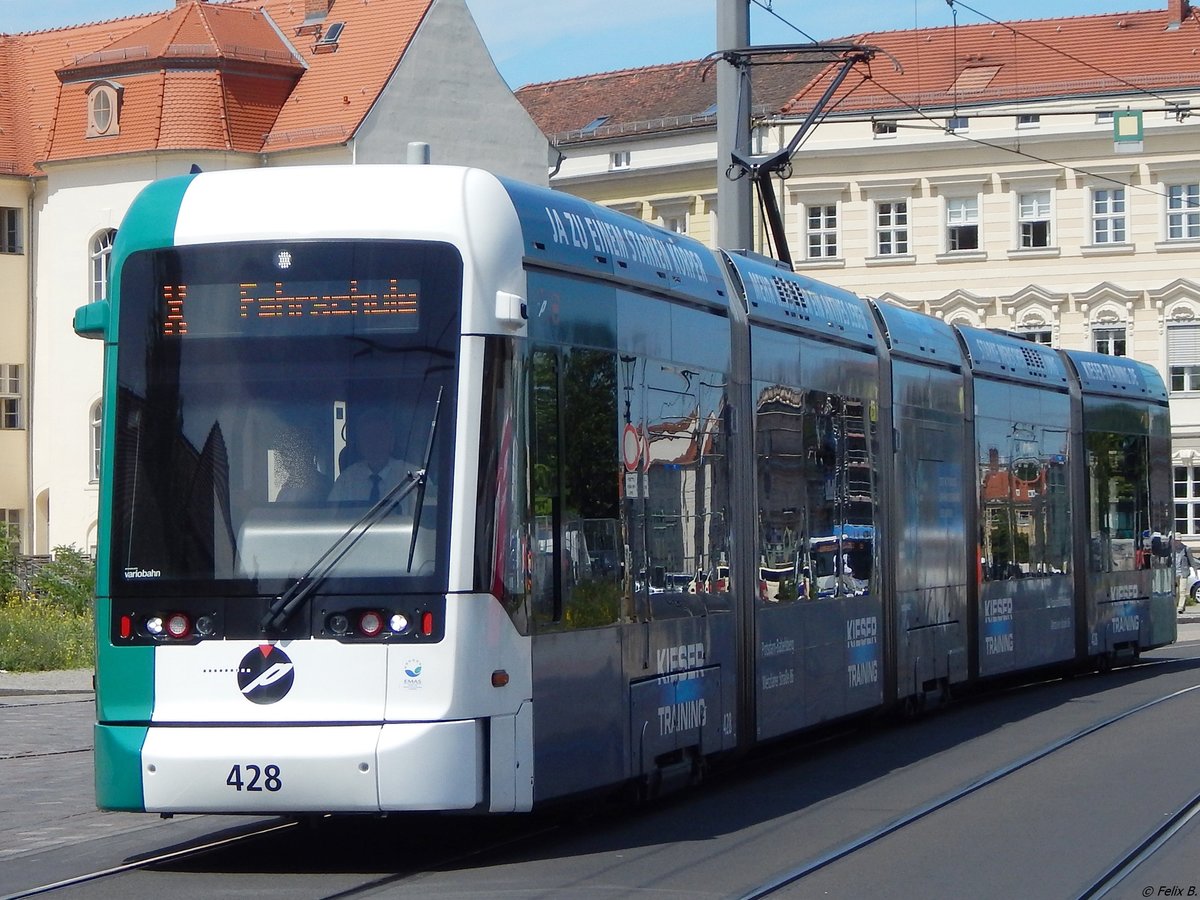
179	626
126	627
370	623
427	623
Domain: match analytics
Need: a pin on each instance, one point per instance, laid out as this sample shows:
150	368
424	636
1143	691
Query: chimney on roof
316	10
1177	11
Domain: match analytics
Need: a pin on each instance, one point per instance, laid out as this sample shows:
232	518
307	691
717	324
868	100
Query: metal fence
26	568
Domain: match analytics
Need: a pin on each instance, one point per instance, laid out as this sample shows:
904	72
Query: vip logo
265	674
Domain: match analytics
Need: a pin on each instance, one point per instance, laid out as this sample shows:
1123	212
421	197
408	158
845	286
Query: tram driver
375	469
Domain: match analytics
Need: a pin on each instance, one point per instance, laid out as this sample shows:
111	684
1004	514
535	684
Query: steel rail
1149	845
783	879
182	853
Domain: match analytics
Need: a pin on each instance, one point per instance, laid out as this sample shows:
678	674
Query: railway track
174	855
433	855
244	839
1144	848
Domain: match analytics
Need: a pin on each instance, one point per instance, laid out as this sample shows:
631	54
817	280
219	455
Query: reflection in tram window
681	514
577	572
817	494
1118	498
1024	508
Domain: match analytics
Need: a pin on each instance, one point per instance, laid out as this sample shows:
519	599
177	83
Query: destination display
287	307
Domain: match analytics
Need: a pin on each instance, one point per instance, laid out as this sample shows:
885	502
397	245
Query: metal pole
734	212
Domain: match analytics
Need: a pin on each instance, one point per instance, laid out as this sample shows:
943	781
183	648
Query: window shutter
1183	345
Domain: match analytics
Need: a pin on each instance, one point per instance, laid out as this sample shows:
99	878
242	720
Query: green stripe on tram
125	675
119	767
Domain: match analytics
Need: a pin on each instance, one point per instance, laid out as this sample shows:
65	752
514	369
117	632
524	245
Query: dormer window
103	104
329	40
592	126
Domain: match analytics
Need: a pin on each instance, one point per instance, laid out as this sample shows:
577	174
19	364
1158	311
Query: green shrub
51	626
68	580
37	635
8	570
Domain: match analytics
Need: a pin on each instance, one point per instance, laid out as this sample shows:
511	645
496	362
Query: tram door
931	561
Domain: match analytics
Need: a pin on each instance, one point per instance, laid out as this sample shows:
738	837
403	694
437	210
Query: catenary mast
733	125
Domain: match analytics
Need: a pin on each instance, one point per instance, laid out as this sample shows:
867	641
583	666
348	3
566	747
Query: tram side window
577	569
679	511
502	540
816	483
1025	528
779	437
840	527
1118	498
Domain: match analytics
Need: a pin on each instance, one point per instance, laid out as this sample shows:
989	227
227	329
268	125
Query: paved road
46	795
711	843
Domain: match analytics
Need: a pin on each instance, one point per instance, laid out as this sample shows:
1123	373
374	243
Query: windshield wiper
286	603
421	480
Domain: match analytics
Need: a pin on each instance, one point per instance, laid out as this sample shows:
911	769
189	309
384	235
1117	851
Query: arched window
96	431
101	256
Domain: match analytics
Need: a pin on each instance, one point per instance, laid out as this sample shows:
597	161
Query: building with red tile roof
1035	176
91	113
969	66
644	139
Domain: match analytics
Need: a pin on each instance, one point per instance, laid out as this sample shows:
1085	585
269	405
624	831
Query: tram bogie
467	495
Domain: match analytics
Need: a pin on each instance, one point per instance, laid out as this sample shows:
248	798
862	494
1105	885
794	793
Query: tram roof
796	301
565	232
1013	358
1117	376
917	336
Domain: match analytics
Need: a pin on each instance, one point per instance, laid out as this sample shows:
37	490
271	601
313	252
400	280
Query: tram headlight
338	623
205	626
154	625
370	623
179	626
398	623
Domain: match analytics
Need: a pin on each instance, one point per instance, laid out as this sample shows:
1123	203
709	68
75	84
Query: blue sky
581	37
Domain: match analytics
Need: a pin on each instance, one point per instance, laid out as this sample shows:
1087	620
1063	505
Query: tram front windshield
282	402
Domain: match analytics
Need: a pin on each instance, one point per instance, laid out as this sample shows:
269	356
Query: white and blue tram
636	504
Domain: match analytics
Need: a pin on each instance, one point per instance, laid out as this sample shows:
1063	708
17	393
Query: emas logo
265	674
412	674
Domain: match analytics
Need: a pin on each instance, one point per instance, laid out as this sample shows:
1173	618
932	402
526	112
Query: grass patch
38	635
46	621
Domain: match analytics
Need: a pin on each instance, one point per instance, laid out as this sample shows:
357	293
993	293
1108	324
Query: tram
423	489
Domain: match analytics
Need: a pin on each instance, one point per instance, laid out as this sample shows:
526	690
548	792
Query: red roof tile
195	30
339	88
654	98
200	76
10	87
1118	53
33	93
